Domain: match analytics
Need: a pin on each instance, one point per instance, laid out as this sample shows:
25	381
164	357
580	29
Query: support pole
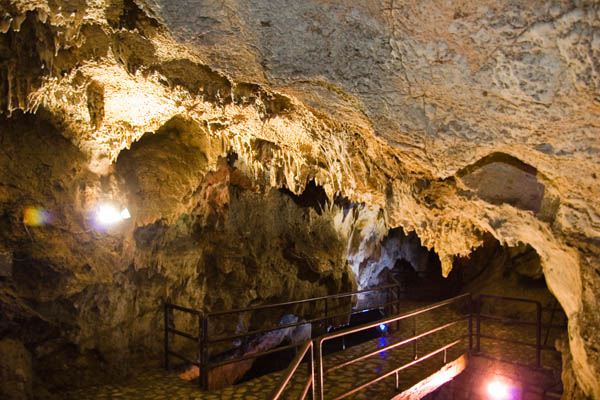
311	372
166	344
203	335
320	369
445	356
554	307
326	314
397	306
415	356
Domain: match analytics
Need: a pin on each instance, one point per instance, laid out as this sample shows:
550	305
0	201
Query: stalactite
9	79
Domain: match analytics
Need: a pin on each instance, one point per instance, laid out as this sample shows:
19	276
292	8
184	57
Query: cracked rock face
265	149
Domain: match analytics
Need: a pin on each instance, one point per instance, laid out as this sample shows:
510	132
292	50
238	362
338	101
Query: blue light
382	327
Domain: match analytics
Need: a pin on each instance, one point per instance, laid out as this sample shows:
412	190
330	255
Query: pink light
498	390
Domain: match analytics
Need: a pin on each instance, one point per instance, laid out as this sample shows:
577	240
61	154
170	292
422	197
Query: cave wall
432	115
371	255
87	302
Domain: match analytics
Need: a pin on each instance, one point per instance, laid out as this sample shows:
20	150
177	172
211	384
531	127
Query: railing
204	342
168	329
317	383
538	346
322	371
308	345
555	307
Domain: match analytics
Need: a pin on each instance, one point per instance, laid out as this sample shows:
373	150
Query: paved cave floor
158	384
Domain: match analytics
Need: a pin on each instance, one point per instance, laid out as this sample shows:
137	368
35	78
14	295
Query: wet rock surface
208	121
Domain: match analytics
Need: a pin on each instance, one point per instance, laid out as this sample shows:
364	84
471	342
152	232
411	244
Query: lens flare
498	390
36	216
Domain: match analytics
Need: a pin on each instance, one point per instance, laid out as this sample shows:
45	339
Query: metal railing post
538	339
478	310
554	305
391	309
326	313
203	337
415	334
167	322
322	371
397	305
320	377
311	371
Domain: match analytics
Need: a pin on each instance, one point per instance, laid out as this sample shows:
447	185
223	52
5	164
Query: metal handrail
538	324
321	372
394	345
185	309
250	356
519	322
211	365
204	342
308	345
507	298
511	341
414	338
294	302
310	321
396	370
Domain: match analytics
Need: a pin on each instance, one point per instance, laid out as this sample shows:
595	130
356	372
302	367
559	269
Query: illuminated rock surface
207	120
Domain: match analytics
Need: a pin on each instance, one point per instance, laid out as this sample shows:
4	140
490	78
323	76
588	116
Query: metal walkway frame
312	350
328	304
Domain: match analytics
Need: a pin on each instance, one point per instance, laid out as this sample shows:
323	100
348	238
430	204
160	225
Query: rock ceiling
448	119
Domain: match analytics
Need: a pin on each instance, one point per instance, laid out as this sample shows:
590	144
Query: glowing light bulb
382	327
107	215
498	390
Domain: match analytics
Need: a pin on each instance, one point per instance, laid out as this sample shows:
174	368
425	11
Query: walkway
160	384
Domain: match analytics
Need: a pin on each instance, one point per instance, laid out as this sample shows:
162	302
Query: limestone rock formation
208	120
15	371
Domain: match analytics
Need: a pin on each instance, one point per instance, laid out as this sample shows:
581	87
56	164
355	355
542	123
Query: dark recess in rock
313	196
500	178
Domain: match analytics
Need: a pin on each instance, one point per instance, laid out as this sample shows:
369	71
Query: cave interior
232	155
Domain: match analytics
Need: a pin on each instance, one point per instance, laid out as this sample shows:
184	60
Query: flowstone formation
265	149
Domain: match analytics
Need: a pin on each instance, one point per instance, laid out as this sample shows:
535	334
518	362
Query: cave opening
492	268
400	257
519	313
508	286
